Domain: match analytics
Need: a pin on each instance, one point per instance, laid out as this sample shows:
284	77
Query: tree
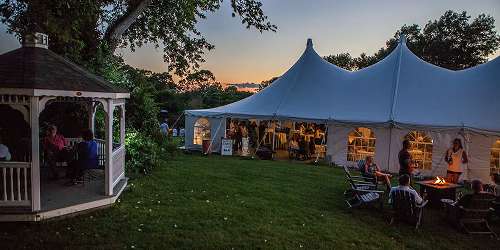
454	41
197	80
79	29
266	83
343	60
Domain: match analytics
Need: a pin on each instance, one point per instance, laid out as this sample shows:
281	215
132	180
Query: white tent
399	94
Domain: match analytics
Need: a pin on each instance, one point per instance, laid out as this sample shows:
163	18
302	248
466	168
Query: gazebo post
35	154
91	115
122	124
108	182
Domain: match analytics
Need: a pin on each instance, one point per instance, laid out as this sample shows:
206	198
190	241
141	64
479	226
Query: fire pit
438	189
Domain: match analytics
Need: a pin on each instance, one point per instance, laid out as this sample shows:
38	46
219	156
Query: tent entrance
280	140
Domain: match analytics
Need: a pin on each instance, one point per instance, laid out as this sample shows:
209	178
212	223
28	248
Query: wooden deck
56	194
57	199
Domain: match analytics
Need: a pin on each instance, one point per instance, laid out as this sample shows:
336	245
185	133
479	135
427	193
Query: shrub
145	152
142	152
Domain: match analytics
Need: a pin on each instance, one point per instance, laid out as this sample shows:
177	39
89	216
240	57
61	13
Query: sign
244	146
226	147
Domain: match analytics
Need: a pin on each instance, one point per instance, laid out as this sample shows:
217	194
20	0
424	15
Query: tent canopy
400	89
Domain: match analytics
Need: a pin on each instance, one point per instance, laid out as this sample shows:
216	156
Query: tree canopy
78	29
454	41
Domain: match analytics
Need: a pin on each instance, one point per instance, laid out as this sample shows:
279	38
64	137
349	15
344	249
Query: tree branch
117	28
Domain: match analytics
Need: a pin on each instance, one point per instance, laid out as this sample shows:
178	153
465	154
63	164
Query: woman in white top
455	156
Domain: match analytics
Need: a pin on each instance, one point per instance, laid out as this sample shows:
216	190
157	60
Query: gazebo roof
38	68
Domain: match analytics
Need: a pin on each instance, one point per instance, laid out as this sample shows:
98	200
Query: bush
145	152
142	152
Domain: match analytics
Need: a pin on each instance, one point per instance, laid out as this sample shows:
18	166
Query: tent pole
390	147
259	141
274	136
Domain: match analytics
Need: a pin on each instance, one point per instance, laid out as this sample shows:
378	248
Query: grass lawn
224	203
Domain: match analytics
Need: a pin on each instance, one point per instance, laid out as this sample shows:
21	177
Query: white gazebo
31	78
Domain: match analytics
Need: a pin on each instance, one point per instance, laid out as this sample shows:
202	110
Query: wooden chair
362	195
404	208
473	219
374	179
357	178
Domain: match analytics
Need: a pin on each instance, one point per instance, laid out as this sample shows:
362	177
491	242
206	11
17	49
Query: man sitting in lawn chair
406	203
470	212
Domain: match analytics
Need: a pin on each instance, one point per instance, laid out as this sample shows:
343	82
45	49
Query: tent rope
259	142
178	118
213	138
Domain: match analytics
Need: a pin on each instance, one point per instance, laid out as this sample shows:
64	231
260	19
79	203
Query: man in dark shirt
405	160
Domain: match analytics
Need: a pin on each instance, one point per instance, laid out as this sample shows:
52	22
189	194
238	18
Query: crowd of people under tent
299	139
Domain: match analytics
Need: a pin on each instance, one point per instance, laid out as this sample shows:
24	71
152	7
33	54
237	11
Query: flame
439	181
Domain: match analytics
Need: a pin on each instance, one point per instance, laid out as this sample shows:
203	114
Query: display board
226	147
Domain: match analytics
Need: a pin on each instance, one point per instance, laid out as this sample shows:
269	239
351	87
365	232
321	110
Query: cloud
244	85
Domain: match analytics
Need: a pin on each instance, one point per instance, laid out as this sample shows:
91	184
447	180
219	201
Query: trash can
205	146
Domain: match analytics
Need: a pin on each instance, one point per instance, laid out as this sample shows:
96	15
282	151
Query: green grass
224	203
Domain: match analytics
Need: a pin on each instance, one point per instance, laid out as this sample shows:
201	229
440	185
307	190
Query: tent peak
402	38
309	43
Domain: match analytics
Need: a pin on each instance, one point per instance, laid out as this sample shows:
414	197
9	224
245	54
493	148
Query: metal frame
426	142
360	143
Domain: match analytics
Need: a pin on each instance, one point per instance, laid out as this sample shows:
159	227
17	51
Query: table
437	192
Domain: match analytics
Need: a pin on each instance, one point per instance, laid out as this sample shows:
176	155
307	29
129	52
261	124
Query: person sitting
478	199
53	145
4	151
371	170
407	204
404	185
87	158
496	192
496	187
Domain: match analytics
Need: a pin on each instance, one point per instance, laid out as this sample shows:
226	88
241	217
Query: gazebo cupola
31	78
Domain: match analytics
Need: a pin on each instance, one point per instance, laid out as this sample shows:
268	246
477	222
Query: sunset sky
353	26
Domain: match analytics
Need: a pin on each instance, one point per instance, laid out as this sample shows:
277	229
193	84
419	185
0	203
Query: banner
226	147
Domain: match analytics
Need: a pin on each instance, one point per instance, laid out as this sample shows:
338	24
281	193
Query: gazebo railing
15	184
101	155
118	159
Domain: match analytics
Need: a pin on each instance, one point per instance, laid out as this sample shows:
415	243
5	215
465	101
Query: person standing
164	127
455	157
252	133
405	159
